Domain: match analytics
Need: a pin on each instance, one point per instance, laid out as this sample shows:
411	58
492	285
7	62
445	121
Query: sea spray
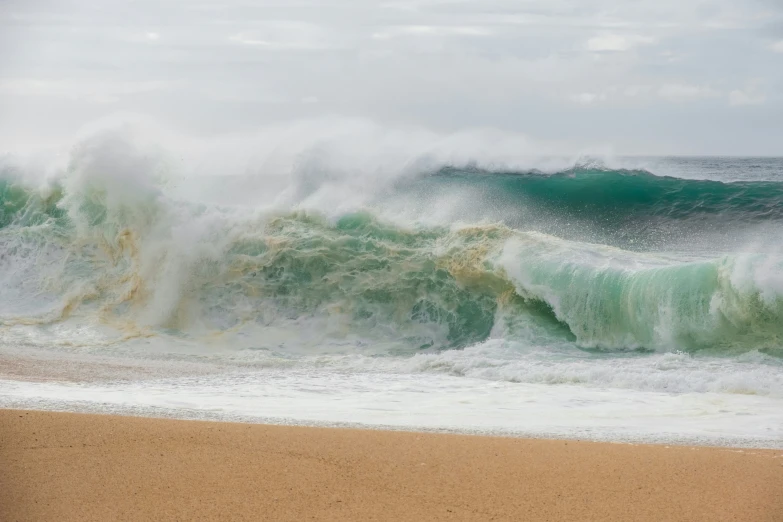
113	239
425	290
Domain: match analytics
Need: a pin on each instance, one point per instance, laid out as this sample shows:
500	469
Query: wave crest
532	259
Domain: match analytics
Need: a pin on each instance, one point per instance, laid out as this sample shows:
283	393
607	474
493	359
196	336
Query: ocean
636	300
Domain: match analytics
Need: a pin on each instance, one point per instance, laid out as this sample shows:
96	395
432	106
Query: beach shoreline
187	390
71	466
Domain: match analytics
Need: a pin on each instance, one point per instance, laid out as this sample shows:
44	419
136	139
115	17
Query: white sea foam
284	275
426	401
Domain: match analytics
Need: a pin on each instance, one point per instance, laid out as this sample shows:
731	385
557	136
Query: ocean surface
638	299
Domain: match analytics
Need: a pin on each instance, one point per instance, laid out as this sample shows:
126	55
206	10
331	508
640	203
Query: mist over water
347	249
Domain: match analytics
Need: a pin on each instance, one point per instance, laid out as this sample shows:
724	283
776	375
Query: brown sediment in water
64	367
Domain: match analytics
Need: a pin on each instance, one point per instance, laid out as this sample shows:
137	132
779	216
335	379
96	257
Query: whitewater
444	287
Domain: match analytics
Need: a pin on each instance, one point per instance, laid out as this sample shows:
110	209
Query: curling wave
134	258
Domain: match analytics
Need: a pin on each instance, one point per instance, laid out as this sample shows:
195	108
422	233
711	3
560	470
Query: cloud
230	65
738	97
588	98
287	35
634	93
685	92
143	37
752	94
617	42
102	92
430	30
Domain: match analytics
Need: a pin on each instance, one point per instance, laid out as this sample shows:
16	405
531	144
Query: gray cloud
648	76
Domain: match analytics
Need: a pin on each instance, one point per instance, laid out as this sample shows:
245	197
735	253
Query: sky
637	77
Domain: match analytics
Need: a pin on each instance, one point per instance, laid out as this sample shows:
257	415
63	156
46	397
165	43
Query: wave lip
612	300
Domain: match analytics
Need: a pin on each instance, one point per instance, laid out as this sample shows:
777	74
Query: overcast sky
642	76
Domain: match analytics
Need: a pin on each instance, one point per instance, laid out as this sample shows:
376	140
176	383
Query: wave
615	299
306	279
606	194
632	209
535	258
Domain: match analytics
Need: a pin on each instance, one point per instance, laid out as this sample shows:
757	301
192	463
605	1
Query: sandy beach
64	466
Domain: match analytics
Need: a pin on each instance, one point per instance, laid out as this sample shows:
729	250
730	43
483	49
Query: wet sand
69	467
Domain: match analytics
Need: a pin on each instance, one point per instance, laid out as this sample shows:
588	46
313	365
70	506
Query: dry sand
63	467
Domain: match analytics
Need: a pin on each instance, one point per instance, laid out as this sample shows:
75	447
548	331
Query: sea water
636	299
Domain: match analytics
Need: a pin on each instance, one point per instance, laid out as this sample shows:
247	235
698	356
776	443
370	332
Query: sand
65	466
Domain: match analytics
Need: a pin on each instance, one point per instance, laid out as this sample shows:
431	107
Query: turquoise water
594	277
104	256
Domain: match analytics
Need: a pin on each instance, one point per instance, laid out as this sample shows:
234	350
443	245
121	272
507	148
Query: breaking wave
542	258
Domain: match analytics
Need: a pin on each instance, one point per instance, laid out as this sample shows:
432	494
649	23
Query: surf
432	258
158	264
